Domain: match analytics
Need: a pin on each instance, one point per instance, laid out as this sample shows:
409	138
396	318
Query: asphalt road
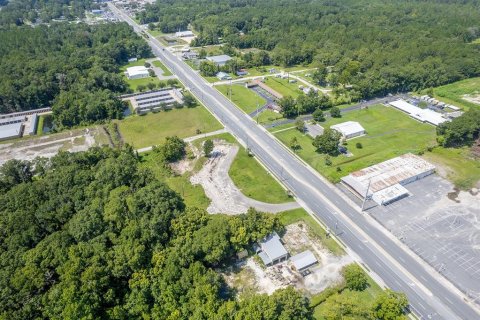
431	296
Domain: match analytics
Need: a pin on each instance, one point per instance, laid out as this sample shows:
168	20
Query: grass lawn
453	93
292	216
151	129
160	65
254	181
283	87
457	165
134	83
390	133
244	98
269	116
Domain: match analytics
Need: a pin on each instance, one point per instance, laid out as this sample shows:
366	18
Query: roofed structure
273	250
423	115
304	260
349	129
220	60
137	72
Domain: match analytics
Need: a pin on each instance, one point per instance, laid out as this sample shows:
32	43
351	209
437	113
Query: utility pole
366	194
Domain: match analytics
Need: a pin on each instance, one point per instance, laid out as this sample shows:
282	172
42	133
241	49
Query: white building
423	115
349	129
137	72
273	250
220	60
223	76
184	34
384	181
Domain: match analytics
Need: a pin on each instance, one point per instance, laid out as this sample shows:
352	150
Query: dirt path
219	187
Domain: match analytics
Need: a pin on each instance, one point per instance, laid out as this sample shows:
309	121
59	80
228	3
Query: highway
430	295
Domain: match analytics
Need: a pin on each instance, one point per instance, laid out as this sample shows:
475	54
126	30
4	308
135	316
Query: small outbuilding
349	129
137	72
242	72
220	60
303	261
223	76
272	250
184	34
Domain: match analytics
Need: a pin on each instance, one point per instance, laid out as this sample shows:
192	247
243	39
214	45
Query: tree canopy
71	67
93	235
376	46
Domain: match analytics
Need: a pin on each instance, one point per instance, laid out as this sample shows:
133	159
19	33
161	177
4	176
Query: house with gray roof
272	250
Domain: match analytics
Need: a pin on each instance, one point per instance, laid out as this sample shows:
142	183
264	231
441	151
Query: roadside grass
390	133
283	87
152	128
453	93
193	195
296	215
250	176
286	126
156	33
244	98
269	116
456	165
254	181
159	64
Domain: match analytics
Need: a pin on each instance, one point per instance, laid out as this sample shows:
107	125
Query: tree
151	73
189	100
288	106
207	147
141	87
14	172
460	131
294	145
335	112
390	305
172	82
328	142
173	149
151	85
355	277
318	115
208	69
300	125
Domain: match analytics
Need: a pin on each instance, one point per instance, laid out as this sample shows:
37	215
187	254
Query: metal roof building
273	250
385	181
11	130
349	129
423	115
220	60
137	72
182	34
304	260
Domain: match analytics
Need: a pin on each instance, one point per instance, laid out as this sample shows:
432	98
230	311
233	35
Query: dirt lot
219	187
250	275
474	98
49	145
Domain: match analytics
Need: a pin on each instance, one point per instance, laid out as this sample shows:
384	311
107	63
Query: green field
283	87
151	129
254	181
292	216
269	116
390	133
244	98
457	165
453	93
160	65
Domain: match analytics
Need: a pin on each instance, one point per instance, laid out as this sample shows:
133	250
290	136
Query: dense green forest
21	11
461	131
377	46
92	235
71	67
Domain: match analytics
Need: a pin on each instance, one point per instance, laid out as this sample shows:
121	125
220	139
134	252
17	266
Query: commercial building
220	60
384	181
156	100
349	129
272	250
303	261
11	127
184	34
137	72
422	115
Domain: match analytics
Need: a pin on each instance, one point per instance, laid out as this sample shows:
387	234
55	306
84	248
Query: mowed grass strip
283	87
390	133
244	98
254	181
152	128
159	64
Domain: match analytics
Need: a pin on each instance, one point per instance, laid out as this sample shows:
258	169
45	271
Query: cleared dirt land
49	145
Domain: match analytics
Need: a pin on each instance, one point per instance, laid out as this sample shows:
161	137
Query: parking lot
441	225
